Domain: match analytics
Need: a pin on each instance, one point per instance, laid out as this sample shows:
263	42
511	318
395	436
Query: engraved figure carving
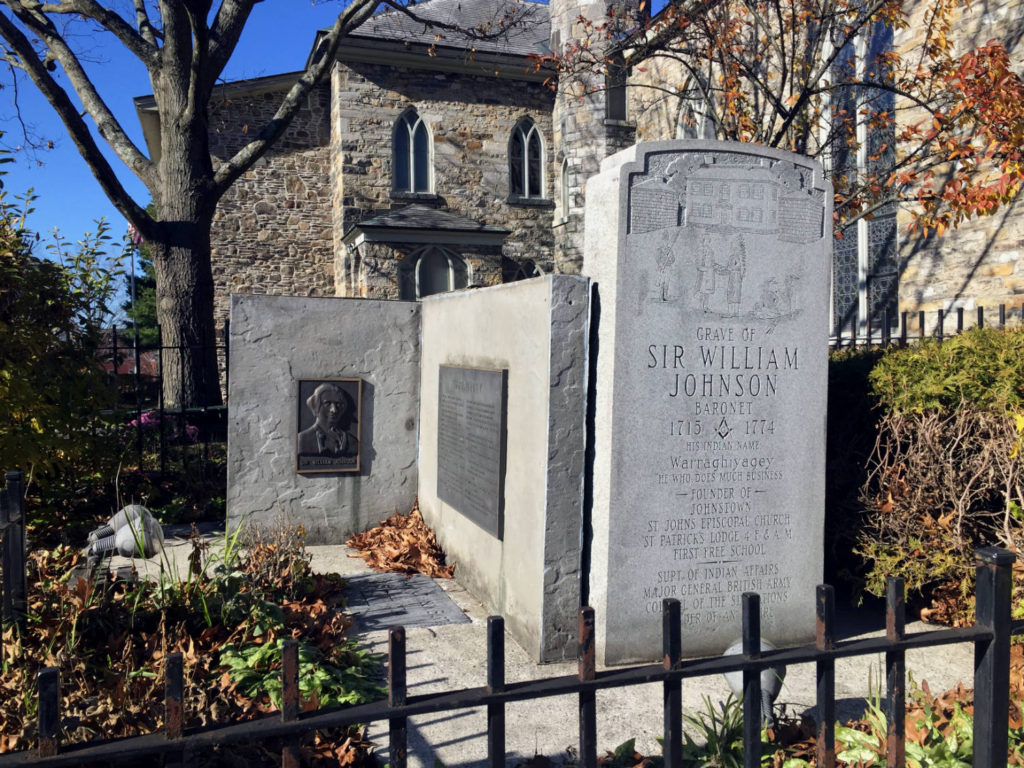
776	300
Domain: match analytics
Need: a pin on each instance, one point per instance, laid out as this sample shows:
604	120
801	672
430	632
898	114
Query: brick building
429	162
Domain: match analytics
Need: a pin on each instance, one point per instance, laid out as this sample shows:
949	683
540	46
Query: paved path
454	656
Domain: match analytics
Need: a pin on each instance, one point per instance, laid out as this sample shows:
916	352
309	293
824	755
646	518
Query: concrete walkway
454	656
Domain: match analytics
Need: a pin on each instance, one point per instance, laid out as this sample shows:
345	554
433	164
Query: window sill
423	197
530	202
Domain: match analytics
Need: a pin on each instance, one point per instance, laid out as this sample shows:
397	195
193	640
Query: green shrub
982	368
52	388
946	475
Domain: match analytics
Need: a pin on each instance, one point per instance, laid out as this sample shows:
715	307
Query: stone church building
428	163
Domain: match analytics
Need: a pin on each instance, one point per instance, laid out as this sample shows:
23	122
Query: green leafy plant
721	731
52	386
256	670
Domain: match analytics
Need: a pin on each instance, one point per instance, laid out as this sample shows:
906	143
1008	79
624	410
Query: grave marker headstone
712	266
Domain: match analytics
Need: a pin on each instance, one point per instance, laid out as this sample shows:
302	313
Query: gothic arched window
526	160
412	165
431	270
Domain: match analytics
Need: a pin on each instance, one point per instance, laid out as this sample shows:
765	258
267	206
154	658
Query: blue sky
277	39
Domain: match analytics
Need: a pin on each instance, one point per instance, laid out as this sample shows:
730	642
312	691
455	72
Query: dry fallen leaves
402	544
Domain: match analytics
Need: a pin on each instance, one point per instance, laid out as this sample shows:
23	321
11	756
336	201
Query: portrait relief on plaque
330	416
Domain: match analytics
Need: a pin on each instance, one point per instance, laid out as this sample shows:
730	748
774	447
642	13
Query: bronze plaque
471	443
330	414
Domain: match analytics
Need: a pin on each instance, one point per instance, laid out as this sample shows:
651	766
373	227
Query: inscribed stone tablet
471	443
714	443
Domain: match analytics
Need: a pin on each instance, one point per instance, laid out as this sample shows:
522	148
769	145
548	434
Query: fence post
495	684
826	676
397	726
588	701
227	359
48	686
992	657
12	512
672	690
138	397
753	711
896	674
174	709
290	700
6	606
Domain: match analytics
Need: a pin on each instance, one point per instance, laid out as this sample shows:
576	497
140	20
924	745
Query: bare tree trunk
184	304
185	204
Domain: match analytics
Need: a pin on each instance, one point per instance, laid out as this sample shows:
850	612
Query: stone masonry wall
980	263
656	112
470	119
272	230
583	134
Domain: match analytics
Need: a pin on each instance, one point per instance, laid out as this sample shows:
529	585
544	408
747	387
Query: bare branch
350	18
224	35
90	9
77	129
144	25
107	125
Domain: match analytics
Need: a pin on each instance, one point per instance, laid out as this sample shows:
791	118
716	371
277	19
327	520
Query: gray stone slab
471	443
712	267
381	600
276	341
537	330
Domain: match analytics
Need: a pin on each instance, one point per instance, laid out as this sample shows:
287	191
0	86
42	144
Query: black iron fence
990	636
138	372
914	326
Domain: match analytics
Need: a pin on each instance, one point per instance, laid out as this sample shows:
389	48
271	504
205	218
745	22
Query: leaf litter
402	544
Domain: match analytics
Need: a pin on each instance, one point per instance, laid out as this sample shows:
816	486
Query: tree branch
145	26
90	9
350	18
224	35
78	130
107	125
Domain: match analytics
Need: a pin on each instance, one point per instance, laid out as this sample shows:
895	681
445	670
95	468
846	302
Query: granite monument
711	261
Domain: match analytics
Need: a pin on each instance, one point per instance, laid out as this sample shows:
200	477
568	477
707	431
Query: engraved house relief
708	219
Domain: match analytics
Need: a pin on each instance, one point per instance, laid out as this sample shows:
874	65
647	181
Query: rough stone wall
655	112
979	264
583	134
272	230
471	119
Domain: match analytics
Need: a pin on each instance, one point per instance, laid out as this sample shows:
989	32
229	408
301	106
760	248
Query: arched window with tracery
412	167
431	270
526	160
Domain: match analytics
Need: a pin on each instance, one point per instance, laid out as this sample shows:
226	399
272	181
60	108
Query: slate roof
418	216
511	27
